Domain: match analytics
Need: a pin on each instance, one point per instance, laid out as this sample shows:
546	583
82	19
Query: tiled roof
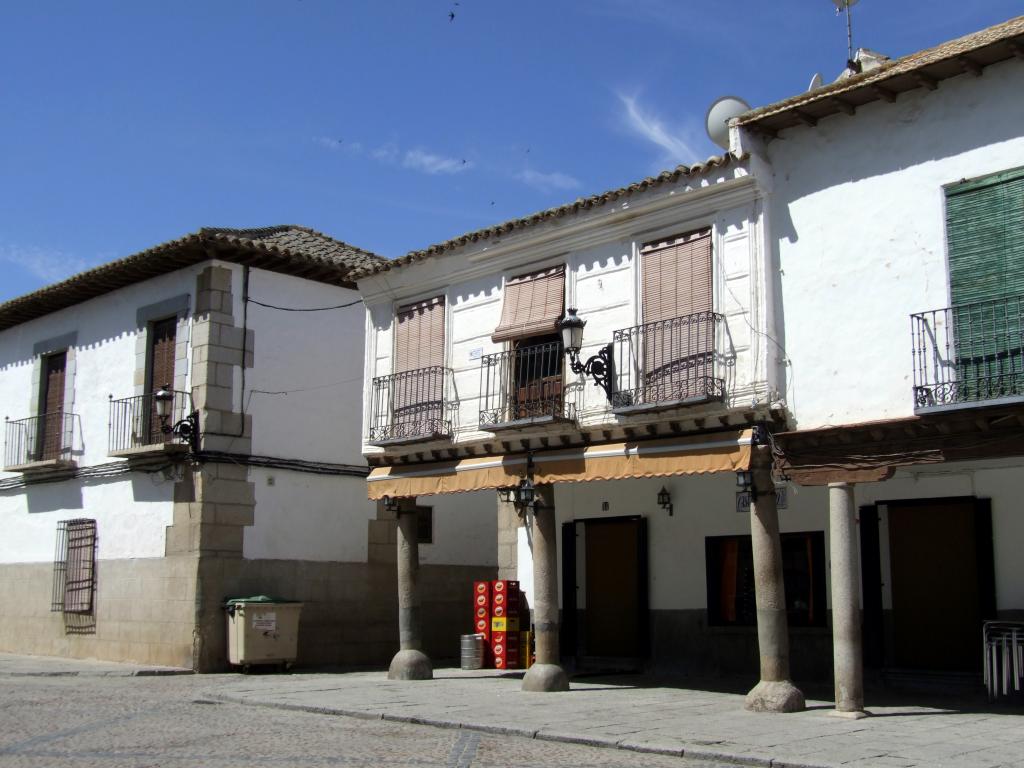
288	249
970	53
581	204
300	241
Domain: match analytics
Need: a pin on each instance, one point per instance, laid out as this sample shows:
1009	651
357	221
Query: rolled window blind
677	276
419	335
533	304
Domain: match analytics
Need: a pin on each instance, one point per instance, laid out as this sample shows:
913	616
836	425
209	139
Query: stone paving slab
642	715
639	714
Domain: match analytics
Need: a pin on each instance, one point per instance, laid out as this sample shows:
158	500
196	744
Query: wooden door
616	588
936	587
51	416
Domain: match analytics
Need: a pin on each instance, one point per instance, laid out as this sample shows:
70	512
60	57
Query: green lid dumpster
262	630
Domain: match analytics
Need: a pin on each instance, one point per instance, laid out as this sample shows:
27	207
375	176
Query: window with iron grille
74	567
425	525
730	579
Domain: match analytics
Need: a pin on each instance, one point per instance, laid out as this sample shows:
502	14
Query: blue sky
383	123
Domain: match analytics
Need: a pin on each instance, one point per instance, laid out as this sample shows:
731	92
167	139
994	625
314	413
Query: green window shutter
985	238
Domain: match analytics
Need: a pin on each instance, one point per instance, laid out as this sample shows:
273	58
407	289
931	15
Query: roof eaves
906	65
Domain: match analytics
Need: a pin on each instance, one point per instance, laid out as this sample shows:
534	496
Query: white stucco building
153	531
772	288
896	206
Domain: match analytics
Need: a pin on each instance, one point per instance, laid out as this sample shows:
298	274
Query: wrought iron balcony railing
48	437
411	406
134	423
524	386
970	353
668	362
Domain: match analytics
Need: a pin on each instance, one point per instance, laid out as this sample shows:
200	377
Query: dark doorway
610	628
941	587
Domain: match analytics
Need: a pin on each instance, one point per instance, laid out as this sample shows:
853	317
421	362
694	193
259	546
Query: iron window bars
968	353
74	567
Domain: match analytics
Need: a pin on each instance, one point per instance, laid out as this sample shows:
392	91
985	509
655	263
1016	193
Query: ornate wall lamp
665	500
187	428
600	367
522	495
745	482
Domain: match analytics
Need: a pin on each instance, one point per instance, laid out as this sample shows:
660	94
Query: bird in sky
451	15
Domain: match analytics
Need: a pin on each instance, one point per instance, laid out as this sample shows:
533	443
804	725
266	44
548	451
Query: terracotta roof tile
288	249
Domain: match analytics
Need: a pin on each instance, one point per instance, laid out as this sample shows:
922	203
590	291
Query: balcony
411	407
667	364
970	354
136	432
39	443
524	387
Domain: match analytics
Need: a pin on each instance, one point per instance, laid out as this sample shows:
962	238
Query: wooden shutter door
51	421
418	389
985	236
676	300
161	372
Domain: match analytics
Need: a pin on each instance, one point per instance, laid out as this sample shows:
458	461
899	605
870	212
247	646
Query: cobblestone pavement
60	719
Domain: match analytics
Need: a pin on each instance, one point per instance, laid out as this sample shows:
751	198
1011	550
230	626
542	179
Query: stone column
410	663
775	692
847	654
547	674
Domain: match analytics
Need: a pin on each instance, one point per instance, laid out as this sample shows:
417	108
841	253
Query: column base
545	678
855	714
411	665
775	696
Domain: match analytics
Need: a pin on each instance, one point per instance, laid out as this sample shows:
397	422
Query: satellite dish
815	82
721	111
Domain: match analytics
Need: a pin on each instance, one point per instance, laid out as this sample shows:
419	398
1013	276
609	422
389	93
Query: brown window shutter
51	404
419	335
676	284
161	353
677	276
533	304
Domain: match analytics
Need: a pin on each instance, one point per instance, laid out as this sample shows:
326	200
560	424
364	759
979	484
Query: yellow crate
525	659
505	624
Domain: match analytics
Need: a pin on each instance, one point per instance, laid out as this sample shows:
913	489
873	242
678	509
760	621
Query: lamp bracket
599	367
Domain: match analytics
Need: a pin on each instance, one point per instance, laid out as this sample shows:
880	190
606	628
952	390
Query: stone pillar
547	674
410	663
847	654
775	692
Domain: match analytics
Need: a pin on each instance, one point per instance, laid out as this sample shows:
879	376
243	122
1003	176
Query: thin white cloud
548	182
427	162
417	159
676	145
45	264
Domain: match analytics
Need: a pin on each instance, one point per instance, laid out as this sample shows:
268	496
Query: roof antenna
840	6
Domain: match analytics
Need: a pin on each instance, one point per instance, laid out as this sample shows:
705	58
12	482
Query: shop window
730	579
425	525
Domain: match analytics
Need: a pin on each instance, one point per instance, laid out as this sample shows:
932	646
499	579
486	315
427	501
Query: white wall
131	510
465	529
302	516
858	212
304	393
315	359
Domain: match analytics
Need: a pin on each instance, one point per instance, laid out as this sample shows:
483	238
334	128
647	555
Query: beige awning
702	454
